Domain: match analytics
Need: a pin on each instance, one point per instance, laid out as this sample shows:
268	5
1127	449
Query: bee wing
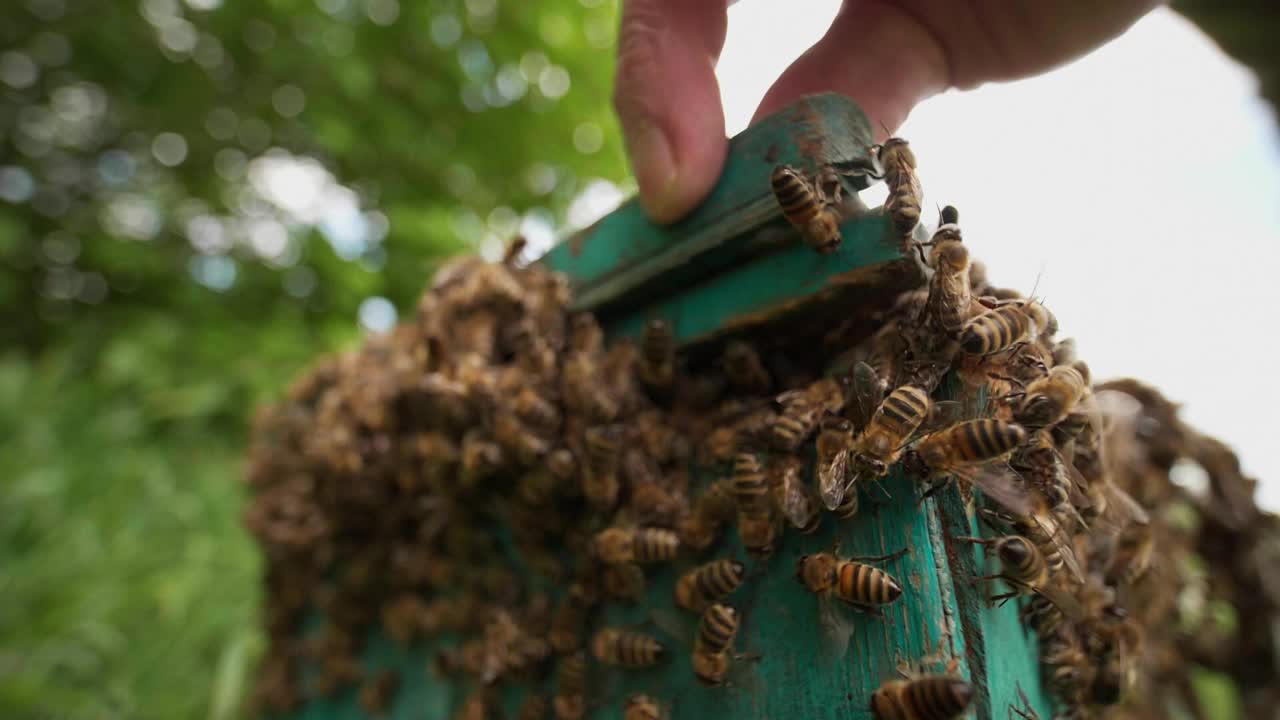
833	479
1064	601
1122	510
1002	485
1060	541
681	627
1124	502
798	501
942	414
836	630
868	392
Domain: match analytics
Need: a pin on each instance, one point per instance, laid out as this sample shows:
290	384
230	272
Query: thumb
668	100
877	54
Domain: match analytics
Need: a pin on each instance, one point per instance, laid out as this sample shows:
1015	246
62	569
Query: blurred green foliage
196	197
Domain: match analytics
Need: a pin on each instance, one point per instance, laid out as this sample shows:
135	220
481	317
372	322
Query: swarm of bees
379	481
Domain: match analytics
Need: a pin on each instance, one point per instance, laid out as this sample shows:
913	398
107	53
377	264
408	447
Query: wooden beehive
734	268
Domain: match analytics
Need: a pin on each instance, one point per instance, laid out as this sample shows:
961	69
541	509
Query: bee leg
871	610
881	558
920	250
934	490
1004	598
974	540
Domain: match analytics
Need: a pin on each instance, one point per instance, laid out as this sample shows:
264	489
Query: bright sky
1140	184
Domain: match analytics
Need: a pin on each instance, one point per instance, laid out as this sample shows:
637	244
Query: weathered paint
941	615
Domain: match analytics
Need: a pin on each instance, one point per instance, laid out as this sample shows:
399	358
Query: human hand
886	55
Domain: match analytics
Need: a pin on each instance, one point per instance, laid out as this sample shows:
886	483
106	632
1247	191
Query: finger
876	54
668	100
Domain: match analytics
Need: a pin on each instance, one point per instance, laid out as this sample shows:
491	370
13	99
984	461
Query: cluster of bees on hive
492	475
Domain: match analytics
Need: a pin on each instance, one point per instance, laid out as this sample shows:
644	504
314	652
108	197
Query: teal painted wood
941	614
624	256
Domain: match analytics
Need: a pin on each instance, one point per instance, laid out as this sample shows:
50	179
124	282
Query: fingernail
654	165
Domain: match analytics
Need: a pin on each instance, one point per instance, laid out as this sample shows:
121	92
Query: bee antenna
1039	275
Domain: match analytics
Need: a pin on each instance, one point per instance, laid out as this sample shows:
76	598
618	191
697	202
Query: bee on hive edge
963	452
1024	567
756	525
1001	328
708	583
928	697
618	545
624	648
712	646
809	205
898	167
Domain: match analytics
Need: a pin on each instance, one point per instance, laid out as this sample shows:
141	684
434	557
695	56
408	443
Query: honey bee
651	500
898	167
624	648
570	700
802	409
1021	321
866	586
756	526
617	545
714	507
570	618
834	450
1041	615
623	581
881	443
1039	462
514	436
1067	669
600	484
1023	566
641	707
810	205
929	697
583	387
950	297
536	411
792	495
377	692
854	581
1051	398
1039	525
657	366
711	648
705	584
743	367
562	463
1133	556
960	452
481	456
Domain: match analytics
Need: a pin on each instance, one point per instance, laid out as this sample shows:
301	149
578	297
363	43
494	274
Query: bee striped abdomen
987	438
708	583
937	698
627	649
863	584
716	631
995	331
795	194
848	506
654	545
749	484
904	409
